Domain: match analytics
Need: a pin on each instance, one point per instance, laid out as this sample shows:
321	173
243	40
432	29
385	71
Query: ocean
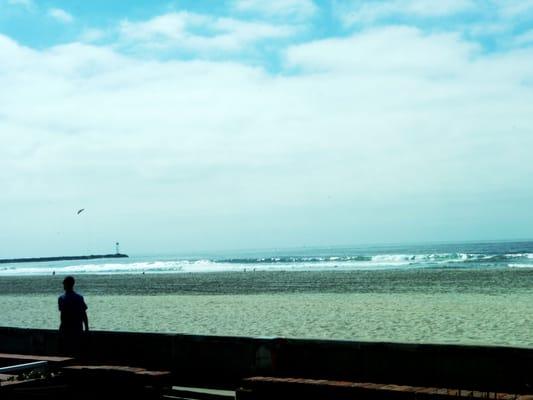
477	293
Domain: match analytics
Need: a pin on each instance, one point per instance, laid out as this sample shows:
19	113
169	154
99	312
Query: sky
245	124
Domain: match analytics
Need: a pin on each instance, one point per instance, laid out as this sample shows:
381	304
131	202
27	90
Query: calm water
465	293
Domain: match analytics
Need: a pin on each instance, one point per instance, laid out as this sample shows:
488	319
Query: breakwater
60	258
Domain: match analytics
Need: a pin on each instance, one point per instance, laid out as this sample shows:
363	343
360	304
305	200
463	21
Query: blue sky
201	125
493	24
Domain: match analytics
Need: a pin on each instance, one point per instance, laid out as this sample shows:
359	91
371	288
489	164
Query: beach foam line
278	263
199	266
520	265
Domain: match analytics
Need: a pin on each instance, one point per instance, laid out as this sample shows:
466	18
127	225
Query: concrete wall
224	361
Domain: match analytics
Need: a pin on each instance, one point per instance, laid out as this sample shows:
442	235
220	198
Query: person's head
68	283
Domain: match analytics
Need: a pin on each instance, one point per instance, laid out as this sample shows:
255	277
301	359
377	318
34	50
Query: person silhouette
74	318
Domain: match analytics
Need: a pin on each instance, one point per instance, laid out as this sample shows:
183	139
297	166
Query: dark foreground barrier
222	361
268	388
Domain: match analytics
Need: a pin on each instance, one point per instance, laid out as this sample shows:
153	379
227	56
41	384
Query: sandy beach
424	306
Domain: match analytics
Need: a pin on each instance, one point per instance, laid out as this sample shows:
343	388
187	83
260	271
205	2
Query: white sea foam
393	258
286	263
520	265
108	268
199	266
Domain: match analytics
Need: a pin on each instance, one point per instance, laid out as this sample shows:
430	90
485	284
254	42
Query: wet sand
419	281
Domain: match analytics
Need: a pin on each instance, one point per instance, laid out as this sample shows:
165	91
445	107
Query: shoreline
419	281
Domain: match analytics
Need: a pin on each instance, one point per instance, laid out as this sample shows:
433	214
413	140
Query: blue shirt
72	308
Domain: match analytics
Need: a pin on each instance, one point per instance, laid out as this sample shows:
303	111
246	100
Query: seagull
80	211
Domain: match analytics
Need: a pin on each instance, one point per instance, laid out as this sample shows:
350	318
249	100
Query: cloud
92	35
372	52
278	8
514	8
199	33
371	11
525	38
60	15
389	124
487	28
27	4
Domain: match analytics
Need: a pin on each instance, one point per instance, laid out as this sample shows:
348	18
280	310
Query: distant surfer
80	211
73	318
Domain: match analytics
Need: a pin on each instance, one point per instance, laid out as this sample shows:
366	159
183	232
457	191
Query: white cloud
92	35
278	8
370	11
60	15
28	4
525	38
514	8
387	125
372	52
487	28
25	3
199	33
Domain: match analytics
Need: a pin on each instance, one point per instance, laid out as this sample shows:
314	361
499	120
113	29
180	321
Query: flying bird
80	211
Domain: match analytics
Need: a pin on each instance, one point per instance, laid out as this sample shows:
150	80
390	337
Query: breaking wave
278	263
